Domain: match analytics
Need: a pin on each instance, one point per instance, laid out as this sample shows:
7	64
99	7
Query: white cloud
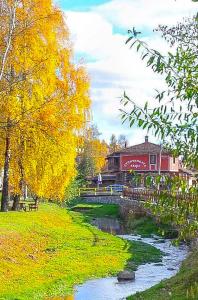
116	68
146	13
90	32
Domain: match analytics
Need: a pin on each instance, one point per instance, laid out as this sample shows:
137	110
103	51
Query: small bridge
106	196
105	191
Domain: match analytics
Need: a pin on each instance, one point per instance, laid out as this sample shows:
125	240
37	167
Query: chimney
146	139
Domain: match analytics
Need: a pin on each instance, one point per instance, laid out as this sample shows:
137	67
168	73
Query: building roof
143	148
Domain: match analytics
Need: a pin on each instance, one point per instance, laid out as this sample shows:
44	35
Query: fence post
95	191
111	190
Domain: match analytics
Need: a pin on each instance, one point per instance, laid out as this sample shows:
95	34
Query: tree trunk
17	197
5	189
16	200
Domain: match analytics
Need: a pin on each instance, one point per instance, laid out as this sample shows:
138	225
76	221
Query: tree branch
9	39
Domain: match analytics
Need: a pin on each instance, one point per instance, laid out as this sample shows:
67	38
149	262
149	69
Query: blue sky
80	5
98	31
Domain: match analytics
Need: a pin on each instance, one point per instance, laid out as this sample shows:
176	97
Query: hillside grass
46	253
183	286
97	210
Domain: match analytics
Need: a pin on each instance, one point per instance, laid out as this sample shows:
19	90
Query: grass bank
183	286
141	252
144	226
46	253
96	210
147	226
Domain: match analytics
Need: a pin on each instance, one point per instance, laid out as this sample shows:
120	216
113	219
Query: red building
146	158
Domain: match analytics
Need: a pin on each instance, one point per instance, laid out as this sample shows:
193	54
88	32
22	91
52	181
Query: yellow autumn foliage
92	152
99	153
44	100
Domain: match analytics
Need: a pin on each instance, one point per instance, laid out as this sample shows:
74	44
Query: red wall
165	163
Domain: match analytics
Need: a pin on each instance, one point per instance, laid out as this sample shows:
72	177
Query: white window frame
151	163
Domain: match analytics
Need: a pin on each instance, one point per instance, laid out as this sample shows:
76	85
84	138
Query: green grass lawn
183	286
98	210
46	253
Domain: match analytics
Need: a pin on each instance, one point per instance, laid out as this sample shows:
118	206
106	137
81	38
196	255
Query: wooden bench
33	206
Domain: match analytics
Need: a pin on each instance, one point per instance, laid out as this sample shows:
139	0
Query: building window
153	159
174	160
116	162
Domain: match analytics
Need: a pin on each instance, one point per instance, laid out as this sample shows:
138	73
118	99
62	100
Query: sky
98	31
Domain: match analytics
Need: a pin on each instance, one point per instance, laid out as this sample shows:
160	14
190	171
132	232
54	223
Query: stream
146	275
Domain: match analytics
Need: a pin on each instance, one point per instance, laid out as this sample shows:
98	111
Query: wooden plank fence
135	194
154	195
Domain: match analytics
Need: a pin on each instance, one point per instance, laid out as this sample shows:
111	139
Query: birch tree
44	101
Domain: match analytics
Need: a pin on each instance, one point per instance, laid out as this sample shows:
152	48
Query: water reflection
109	225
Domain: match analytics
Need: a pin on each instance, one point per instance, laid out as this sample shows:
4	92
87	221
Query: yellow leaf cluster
92	152
44	98
99	152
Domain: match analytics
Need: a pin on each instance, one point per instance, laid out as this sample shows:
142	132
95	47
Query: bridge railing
98	191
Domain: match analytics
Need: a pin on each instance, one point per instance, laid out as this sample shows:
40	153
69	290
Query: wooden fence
154	195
